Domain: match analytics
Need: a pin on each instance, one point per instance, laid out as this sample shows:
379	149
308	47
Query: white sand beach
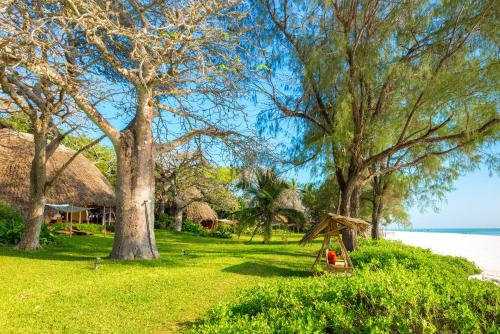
483	250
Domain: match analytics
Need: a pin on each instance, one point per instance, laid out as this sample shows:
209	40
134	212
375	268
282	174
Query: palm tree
264	204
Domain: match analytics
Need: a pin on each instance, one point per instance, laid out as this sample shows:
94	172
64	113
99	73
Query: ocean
481	231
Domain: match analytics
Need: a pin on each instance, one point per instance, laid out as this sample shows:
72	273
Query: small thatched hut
197	210
201	213
81	184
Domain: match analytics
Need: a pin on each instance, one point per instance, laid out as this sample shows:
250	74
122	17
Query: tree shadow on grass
264	270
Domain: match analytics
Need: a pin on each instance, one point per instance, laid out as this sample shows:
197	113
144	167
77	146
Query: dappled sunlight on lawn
55	288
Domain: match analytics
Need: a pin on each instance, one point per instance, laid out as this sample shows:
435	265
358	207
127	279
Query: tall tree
373	80
50	117
178	64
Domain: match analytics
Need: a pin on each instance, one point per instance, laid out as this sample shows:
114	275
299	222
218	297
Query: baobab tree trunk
134	234
38	175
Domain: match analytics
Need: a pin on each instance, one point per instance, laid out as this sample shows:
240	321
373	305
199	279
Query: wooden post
71	222
109	217
79	217
104	217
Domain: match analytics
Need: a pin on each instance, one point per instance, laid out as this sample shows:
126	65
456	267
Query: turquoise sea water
481	231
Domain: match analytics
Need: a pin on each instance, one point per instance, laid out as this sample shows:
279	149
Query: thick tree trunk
134	234
349	236
38	176
178	219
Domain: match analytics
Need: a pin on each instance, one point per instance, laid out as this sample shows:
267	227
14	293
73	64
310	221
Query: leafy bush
222	231
12	227
189	226
46	235
8	213
396	289
11	231
110	228
163	221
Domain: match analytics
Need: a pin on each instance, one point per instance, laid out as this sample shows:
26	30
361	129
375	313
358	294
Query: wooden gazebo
332	226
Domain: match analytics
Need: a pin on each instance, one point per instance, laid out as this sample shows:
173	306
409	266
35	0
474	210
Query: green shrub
397	289
8	213
163	221
222	231
46	235
11	231
110	228
378	255
12	227
189	226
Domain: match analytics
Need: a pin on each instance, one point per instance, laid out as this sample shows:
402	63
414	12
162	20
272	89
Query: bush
163	221
222	231
11	231
8	213
189	226
110	228
46	235
396	290
12	227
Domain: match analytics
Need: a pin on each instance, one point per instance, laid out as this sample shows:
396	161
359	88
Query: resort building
80	185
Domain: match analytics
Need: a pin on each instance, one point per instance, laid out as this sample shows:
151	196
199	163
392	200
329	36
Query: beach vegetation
396	289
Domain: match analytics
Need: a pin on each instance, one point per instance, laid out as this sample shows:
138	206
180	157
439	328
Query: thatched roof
81	184
330	222
199	212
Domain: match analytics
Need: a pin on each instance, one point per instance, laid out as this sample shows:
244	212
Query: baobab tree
373	79
178	65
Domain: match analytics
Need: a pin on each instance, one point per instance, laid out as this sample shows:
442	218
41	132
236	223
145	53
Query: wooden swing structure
331	227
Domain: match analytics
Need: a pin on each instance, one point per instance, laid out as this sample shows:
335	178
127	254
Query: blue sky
475	203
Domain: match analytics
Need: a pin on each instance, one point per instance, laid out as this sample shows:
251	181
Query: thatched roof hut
335	221
200	212
81	184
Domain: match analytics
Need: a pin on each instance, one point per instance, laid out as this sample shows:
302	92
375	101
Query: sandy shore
483	250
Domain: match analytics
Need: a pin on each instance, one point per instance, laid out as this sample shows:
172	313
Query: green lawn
56	290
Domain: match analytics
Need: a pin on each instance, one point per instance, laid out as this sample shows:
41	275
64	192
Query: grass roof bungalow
81	184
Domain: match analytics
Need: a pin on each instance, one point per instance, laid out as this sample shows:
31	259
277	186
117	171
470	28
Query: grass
56	290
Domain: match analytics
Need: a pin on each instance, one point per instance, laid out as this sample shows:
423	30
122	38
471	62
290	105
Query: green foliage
395	288
110	228
163	221
11	231
12	227
221	231
18	121
46	235
264	194
189	226
8	213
